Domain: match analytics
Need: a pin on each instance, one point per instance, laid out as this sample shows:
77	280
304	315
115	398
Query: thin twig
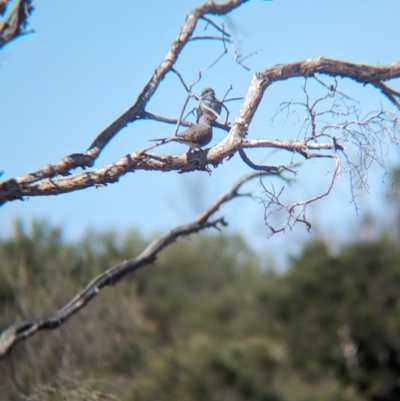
180	78
389	92
268	169
210	37
178	123
215	25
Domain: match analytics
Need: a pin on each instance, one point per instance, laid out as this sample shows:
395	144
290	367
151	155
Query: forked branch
295	213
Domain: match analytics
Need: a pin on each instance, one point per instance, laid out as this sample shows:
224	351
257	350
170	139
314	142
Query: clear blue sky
86	63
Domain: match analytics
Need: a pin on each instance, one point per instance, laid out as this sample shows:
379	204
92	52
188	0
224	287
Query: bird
209	104
196	136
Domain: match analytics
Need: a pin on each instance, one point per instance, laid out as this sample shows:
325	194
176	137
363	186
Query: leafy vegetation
205	322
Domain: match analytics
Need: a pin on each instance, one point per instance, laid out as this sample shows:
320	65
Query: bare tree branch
210	37
362	73
216	26
15	23
178	74
273	204
390	93
162	119
269	169
3	6
21	331
321	138
24	186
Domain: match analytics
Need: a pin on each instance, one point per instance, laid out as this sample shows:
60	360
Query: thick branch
15	22
363	73
20	187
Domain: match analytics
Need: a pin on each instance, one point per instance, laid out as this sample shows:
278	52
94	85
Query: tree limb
21	187
14	24
21	331
362	73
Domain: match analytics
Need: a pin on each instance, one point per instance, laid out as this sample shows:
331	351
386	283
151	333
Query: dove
196	136
209	104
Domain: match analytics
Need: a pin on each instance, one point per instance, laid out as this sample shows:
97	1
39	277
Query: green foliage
204	322
204	274
330	303
205	369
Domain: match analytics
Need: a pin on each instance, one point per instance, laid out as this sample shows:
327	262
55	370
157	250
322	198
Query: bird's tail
159	139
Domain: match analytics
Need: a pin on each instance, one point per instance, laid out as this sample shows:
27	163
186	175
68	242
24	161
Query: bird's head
207	91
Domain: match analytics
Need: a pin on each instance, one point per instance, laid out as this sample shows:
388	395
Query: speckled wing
196	136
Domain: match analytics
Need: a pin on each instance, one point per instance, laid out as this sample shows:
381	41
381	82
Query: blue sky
86	63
